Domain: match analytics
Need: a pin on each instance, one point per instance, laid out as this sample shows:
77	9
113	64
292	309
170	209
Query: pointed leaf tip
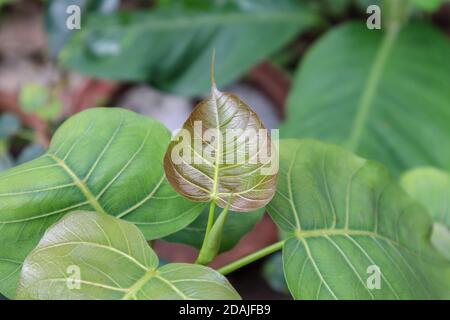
213	79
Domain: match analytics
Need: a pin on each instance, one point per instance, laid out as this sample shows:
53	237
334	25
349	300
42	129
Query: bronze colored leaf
223	153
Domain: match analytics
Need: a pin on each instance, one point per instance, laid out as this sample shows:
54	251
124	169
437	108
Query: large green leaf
431	187
224	154
170	48
344	216
236	226
108	160
384	95
113	261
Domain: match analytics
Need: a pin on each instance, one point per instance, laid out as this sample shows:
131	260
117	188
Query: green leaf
223	154
431	187
170	48
373	92
108	160
113	261
344	216
236	226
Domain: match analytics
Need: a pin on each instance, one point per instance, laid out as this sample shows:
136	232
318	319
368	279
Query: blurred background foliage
310	67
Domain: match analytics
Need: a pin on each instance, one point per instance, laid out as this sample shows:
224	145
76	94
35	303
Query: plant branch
251	258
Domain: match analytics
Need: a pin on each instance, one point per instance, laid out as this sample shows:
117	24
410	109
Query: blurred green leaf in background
170	48
36	98
56	16
383	94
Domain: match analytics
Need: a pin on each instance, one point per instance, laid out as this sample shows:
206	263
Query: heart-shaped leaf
431	187
170	48
89	255
108	160
352	233
236	226
224	154
382	89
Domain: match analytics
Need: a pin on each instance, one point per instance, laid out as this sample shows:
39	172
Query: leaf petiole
213	235
212	208
251	258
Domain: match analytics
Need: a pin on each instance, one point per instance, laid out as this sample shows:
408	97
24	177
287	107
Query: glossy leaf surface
345	220
90	255
108	160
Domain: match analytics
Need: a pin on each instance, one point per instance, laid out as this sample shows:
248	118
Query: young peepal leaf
89	255
108	160
431	187
211	159
352	233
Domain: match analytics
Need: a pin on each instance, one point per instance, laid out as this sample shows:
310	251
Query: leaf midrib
303	234
366	99
134	289
202	19
214	194
343	232
322	233
79	183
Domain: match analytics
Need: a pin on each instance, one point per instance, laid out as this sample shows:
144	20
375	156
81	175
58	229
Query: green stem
211	245
212	209
251	258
